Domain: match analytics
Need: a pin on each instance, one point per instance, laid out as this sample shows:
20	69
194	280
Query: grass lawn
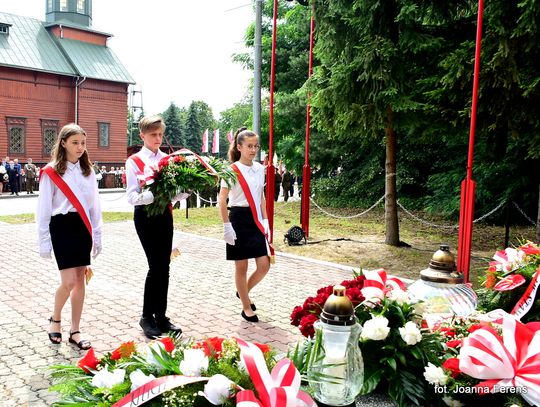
357	242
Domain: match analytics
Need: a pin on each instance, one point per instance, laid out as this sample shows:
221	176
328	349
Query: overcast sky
176	50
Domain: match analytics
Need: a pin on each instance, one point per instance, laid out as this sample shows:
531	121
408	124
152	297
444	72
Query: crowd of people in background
17	178
284	181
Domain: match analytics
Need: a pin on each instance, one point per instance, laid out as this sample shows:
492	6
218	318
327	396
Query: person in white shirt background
243	237
155	232
62	230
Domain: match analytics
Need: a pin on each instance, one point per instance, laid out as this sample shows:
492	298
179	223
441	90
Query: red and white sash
66	190
70	195
247	192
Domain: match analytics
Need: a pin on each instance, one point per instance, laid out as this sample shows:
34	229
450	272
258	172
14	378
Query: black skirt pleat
70	240
250	242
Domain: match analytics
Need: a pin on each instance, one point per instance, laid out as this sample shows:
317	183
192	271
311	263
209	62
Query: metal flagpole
270	170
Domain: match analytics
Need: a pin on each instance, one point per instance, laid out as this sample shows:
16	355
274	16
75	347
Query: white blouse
254	175
52	201
133	176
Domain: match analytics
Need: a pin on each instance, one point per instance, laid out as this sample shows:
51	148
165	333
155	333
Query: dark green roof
29	45
95	61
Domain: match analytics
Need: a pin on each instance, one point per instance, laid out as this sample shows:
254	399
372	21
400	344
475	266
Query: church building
60	71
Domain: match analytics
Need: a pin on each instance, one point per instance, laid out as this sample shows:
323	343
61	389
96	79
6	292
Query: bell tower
78	12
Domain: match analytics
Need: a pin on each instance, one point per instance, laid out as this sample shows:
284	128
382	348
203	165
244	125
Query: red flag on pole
230	136
215	142
204	148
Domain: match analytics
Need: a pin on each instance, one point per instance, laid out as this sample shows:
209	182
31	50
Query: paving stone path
201	299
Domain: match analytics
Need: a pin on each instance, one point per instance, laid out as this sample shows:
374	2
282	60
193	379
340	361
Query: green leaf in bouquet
371	380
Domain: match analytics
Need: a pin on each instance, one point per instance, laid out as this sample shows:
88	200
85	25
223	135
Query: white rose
375	328
217	390
450	402
410	333
195	361
398	295
104	378
435	375
138	379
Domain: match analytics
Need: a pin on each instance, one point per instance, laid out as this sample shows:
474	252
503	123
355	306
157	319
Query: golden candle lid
442	268
338	308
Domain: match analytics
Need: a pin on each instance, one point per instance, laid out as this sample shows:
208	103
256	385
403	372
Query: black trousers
156	235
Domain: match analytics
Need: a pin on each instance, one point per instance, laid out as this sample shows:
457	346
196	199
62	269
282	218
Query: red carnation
454	343
297	314
448	331
263	347
452	364
168	342
481	325
123	351
211	346
89	361
530	248
306	325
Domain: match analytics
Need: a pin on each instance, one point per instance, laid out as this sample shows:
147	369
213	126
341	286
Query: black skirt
250	242
70	240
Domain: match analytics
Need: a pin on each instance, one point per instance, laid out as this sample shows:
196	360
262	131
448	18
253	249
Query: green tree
198	118
174	131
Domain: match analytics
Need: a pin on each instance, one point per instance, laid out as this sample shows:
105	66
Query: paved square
201	299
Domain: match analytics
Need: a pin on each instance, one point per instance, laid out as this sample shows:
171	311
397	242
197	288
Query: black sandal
55	335
83	344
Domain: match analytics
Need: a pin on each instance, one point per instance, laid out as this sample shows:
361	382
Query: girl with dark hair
69	223
245	222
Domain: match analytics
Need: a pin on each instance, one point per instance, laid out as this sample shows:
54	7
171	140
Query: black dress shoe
253	318
164	325
149	327
253	307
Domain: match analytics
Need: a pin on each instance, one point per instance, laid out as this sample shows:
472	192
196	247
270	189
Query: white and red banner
154	388
230	136
510	361
204	148
377	284
215	142
280	388
526	301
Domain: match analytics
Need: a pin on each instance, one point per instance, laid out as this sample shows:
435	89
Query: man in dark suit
14	173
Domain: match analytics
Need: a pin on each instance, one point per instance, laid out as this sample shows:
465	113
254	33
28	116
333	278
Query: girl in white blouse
245	239
62	229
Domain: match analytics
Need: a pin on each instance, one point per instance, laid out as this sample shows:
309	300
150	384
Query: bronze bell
442	268
338	308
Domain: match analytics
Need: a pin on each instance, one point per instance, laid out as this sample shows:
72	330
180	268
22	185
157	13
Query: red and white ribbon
280	388
512	360
154	388
210	169
377	284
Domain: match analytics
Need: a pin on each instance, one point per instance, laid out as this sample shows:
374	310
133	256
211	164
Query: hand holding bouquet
178	173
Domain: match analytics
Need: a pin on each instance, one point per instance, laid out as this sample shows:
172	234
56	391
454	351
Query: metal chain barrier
425	222
211	202
452	226
347	217
524	214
